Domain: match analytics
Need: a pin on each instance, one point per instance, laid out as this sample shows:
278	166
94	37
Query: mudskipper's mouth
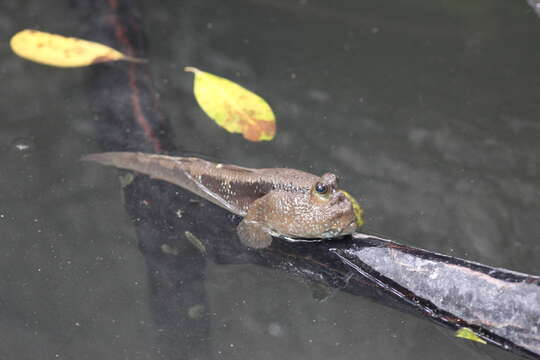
331	233
349	228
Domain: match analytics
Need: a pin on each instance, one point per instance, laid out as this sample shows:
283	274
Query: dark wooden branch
500	305
174	235
127	117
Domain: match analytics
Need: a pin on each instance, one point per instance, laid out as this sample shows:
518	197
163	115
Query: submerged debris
196	242
126	179
167	249
467	333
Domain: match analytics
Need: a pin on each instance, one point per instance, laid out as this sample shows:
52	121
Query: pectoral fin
253	234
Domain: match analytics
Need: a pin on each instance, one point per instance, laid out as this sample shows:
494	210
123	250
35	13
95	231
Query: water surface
427	110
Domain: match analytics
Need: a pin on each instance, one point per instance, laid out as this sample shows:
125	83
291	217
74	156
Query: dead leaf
233	107
61	51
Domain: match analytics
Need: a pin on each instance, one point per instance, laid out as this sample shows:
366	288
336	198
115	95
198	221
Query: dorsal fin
229	186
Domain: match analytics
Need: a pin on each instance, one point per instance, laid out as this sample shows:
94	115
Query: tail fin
176	170
124	160
171	169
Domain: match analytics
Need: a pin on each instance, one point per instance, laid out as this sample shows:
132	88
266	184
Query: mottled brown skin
273	202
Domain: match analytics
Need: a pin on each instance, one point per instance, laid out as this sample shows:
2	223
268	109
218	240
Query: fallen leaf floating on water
61	51
233	107
467	333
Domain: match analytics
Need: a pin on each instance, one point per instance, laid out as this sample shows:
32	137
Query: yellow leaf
467	333
61	51
358	212
233	107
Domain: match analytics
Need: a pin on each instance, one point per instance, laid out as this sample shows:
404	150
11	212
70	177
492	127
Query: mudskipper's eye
321	188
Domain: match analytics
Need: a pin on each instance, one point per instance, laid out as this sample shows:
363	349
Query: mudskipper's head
335	211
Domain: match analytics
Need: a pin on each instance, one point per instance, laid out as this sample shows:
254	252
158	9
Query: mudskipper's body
286	203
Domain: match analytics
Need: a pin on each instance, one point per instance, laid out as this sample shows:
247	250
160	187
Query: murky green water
427	110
